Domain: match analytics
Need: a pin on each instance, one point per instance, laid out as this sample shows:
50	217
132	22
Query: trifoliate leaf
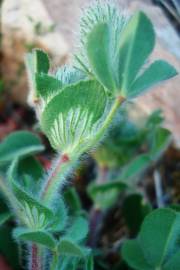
19	144
157	245
117	52
69	248
70	119
38	236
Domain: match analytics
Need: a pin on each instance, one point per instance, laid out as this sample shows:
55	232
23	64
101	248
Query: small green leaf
37	62
134	168
4	217
161	140
78	231
69	248
71	117
36	215
73	200
155	73
60	217
30	166
47	86
136	43
38	236
100	55
104	195
19	144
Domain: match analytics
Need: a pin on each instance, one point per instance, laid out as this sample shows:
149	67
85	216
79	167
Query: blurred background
53	26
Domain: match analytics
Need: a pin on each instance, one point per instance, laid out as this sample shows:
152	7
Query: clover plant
75	108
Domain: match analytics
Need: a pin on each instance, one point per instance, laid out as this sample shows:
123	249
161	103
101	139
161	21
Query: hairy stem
65	163
51	183
35	258
54	262
118	102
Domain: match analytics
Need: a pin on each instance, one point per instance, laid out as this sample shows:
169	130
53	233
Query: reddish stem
35	263
63	159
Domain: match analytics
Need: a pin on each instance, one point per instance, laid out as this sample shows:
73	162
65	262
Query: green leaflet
136	43
78	230
36	62
104	195
70	118
47	86
161	139
134	168
35	214
133	255
70	248
19	144
31	167
157	242
60	217
38	236
100	55
155	73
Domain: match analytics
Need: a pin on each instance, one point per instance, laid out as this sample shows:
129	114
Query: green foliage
36	236
75	107
36	62
35	214
70	120
47	86
4	217
78	230
104	195
68	247
116	58
156	246
134	211
18	145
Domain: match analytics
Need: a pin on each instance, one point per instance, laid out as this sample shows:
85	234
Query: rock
26	24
